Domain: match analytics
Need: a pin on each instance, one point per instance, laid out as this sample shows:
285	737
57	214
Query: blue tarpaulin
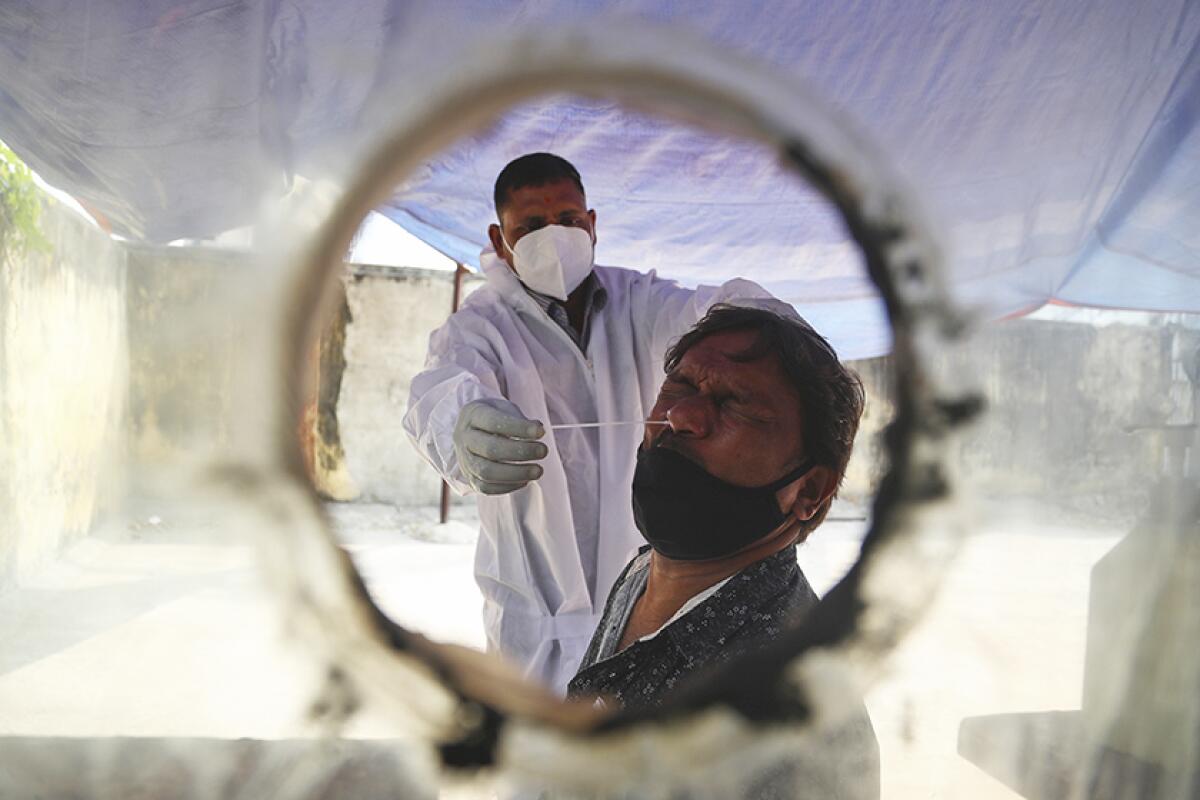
1055	144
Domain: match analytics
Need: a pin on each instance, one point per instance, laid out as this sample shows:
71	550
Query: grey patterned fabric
750	609
753	607
595	299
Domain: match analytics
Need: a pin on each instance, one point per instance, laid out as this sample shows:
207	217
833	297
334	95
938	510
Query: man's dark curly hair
831	395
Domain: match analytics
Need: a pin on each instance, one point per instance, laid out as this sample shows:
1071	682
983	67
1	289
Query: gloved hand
491	438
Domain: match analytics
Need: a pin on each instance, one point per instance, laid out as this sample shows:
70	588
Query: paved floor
157	627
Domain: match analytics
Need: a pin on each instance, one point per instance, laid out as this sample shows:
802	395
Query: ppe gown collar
501	278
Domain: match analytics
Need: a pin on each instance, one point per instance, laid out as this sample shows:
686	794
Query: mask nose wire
591	233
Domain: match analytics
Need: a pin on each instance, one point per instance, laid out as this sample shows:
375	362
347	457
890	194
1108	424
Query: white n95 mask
553	260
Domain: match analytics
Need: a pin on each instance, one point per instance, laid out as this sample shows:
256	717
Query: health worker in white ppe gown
550	340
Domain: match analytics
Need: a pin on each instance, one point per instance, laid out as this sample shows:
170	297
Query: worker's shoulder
622	278
485	303
617	273
483	314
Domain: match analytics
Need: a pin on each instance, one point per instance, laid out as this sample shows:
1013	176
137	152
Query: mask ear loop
805	467
506	244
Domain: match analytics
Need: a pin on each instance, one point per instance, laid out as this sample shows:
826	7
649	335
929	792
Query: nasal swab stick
606	424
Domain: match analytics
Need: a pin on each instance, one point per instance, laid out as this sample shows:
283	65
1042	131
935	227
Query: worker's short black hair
831	395
533	169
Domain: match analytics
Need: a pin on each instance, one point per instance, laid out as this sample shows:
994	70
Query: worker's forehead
556	194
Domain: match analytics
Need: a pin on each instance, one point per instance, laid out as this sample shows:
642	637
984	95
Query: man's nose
691	416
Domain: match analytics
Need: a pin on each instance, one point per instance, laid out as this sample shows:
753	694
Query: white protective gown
549	553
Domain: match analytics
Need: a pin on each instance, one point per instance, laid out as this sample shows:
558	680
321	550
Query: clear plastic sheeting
1056	143
1037	640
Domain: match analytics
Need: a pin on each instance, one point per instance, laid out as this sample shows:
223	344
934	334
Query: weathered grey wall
1061	399
392	313
63	382
117	360
184	339
183	345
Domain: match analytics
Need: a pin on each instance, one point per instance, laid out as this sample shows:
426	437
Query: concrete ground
156	627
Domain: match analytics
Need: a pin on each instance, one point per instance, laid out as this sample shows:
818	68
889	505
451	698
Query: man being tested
550	340
761	419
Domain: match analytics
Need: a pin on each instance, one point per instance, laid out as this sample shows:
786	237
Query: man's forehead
735	356
734	346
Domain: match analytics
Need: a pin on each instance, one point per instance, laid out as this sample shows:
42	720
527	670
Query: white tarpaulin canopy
1056	145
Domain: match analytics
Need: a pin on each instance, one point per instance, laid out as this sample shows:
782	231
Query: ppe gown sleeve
670	309
460	367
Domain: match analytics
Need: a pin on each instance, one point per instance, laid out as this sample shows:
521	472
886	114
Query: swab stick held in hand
606	424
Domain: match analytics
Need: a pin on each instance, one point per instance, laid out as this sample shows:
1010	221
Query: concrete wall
183	345
391	315
184	339
1062	399
63	389
117	360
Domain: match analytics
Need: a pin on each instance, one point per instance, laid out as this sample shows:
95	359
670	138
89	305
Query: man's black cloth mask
687	514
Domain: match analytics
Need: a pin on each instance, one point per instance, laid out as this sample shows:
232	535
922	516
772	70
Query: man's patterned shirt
751	608
748	610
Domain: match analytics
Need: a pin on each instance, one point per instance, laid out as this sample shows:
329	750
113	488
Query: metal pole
459	271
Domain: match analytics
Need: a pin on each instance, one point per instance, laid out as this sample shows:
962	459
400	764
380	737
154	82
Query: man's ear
592	217
498	244
809	493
